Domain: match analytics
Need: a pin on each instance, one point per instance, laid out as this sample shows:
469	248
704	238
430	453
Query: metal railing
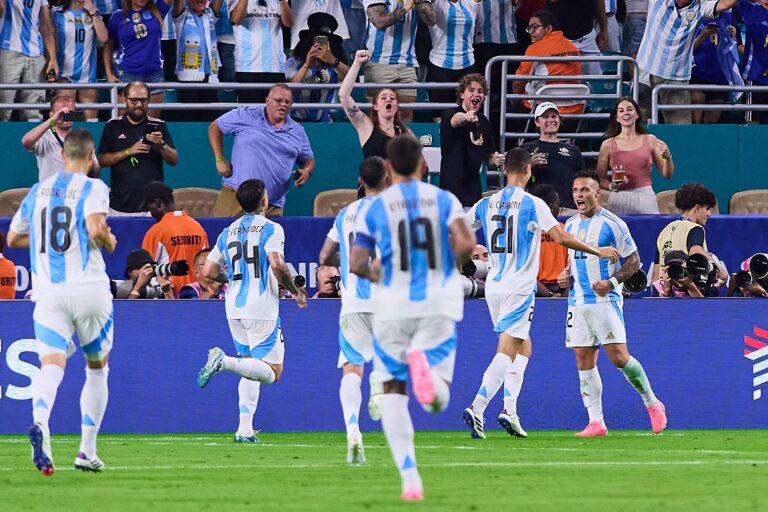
748	107
505	96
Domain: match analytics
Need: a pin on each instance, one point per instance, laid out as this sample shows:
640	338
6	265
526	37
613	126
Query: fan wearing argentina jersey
259	55
356	317
513	221
452	55
78	26
416	235
595	316
251	248
63	221
666	50
496	33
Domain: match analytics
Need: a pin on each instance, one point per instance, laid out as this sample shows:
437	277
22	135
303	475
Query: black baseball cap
137	258
675	257
155	190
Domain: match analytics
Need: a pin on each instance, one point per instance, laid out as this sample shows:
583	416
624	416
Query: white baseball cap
543	107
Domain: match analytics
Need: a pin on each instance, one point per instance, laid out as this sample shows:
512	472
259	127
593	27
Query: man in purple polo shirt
267	145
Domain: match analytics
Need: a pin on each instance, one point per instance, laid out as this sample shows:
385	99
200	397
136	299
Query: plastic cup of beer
618	174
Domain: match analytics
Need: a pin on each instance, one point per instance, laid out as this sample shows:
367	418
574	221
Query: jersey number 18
61	217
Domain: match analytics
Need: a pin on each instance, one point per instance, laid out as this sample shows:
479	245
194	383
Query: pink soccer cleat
658	414
594	429
412	494
421	377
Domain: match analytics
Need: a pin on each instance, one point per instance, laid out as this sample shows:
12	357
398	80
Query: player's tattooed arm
426	12
283	275
329	254
630	266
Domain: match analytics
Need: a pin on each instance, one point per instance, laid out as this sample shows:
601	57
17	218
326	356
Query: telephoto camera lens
637	282
758	265
698	264
299	281
743	279
675	271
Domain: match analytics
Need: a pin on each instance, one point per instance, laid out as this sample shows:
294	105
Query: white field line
177	467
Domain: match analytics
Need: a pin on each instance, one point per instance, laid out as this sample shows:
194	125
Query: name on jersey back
498	205
240	230
59	193
404	204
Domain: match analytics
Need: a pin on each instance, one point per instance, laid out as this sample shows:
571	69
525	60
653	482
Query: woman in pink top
628	147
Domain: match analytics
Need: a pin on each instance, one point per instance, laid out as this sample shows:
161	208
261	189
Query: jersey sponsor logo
136	17
146	15
122	136
186	240
757	352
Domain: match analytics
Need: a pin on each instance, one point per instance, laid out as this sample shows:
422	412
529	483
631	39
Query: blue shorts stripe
618	312
395	368
441	352
94	346
50	337
352	355
513	317
266	346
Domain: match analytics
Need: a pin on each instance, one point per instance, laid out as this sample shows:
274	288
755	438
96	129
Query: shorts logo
757	351
610	336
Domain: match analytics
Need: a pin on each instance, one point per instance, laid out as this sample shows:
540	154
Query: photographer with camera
687	235
327	279
752	279
474	272
145	279
697	275
176	236
135	146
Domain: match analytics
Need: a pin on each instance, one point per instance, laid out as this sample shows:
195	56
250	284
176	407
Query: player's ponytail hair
151	7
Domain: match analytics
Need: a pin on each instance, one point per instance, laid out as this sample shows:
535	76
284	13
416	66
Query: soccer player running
252	250
356	317
595	315
420	234
512	221
63	221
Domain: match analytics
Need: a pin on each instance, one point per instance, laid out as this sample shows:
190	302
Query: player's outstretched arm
99	232
277	263
630	266
566	239
329	254
16	240
462	239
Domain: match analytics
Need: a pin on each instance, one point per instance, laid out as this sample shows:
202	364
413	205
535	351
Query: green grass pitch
626	471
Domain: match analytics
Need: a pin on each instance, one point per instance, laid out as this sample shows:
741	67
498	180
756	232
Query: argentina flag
728	57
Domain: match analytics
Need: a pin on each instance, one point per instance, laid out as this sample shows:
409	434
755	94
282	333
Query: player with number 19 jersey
63	260
409	224
243	247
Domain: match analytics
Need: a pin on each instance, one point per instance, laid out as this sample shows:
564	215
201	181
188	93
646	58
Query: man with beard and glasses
135	146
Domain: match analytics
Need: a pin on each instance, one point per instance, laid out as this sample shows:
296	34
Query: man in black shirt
466	141
135	146
584	23
553	162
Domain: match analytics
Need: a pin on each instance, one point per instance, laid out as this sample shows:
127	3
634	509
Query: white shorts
511	314
592	325
90	316
393	339
356	338
260	339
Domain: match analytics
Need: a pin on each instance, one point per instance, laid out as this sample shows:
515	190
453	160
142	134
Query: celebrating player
512	222
356	317
252	250
595	315
420	234
63	221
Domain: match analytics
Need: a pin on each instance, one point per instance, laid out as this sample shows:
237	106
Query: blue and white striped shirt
106	6
244	247
452	34
21	27
62	258
496	23
75	48
666	50
604	229
258	38
512	222
409	225
355	291
393	45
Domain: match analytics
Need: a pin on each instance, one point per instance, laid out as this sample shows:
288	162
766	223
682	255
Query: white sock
592	393
398	429
248	393
513	383
250	368
93	403
351	397
44	391
635	374
493	378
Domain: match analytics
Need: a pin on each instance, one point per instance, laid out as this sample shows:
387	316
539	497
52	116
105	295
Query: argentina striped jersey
512	221
394	44
409	225
355	291
496	23
452	34
106	6
62	259
243	247
603	229
21	27
666	49
258	38
75	48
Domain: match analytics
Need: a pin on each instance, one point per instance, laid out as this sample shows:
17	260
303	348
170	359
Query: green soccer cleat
211	368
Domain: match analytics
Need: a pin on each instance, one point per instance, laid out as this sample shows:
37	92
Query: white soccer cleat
376	396
85	463
211	368
355	450
475	423
512	425
247	437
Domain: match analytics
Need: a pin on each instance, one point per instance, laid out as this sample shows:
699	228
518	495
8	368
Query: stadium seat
666	201
433	156
10	201
330	202
749	202
564	90
197	202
